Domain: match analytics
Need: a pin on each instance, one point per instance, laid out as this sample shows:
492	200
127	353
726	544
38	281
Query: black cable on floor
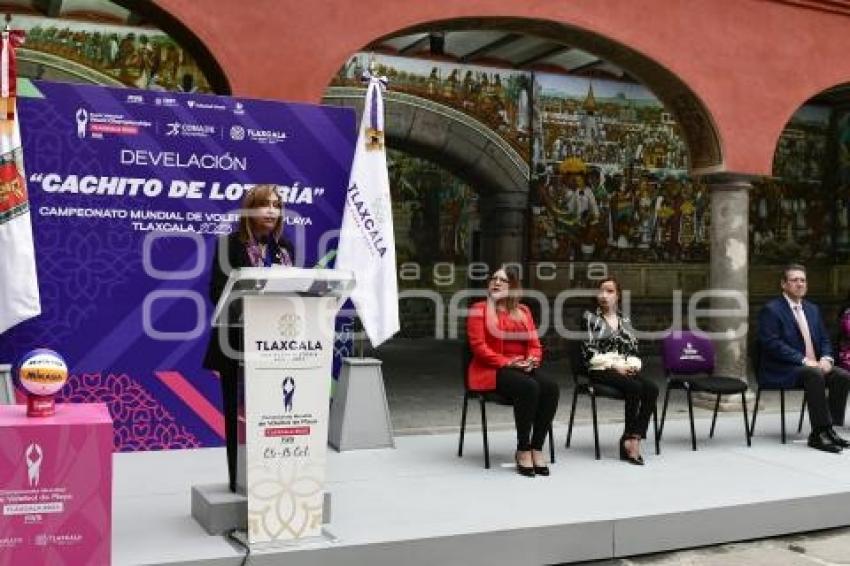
231	534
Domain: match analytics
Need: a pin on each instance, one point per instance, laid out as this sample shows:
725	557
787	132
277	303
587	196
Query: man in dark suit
796	349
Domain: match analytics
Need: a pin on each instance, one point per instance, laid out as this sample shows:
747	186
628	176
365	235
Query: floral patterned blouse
602	339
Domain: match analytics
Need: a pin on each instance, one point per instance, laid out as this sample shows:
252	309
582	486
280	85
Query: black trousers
535	400
640	394
825	410
230	402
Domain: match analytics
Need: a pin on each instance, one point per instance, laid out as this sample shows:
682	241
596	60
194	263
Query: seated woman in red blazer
505	356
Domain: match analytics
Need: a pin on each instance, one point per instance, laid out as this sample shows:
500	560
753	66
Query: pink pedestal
56	486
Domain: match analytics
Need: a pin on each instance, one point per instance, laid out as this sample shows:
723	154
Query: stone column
729	262
503	216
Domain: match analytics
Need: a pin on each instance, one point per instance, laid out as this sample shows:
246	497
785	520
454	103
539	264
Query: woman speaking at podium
258	242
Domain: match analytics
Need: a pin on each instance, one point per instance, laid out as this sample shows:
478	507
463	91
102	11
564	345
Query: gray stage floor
420	504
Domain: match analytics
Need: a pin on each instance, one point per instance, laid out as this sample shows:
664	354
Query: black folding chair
759	388
584	385
688	360
483	397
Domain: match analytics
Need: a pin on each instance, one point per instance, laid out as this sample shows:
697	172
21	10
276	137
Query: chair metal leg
691	415
572	417
551	446
595	425
714	418
755	412
746	421
657	433
782	411
462	425
802	414
484	434
664	411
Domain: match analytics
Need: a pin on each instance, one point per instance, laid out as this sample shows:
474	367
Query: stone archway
696	123
455	140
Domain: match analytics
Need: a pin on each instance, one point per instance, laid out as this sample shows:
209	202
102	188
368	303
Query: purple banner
128	191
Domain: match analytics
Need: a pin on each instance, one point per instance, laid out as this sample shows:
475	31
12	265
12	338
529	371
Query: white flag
367	243
18	284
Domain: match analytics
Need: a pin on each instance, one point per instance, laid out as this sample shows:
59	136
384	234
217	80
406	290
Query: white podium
287	319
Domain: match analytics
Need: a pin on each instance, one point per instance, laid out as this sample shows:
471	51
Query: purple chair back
687	353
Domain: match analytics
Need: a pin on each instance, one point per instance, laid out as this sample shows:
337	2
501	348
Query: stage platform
420	504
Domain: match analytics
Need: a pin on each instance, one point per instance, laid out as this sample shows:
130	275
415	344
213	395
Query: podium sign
287	384
287	320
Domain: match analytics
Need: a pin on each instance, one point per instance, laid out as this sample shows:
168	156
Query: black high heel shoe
541	470
527	471
624	454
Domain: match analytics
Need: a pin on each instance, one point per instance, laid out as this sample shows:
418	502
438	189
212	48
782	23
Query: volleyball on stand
42	373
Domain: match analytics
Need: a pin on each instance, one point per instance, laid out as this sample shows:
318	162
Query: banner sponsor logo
57	539
10	542
96	124
189	130
198	105
165	101
266	136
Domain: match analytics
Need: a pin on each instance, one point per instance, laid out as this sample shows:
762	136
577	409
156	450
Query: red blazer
489	351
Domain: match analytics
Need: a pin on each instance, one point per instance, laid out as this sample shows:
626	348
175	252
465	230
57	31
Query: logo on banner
135	99
189	130
59	539
97	124
204	105
266	136
82	121
288	387
33	456
237	133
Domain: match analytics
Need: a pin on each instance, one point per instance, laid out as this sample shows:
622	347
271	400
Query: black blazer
234	250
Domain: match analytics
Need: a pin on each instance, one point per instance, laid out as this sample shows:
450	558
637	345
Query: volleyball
42	372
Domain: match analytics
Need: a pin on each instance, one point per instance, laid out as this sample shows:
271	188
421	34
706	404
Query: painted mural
793	214
841	196
610	171
609	179
434	213
497	97
140	57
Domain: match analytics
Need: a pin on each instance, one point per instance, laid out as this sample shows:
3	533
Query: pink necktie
807	335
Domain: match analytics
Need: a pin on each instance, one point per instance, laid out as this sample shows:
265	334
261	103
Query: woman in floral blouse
610	353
